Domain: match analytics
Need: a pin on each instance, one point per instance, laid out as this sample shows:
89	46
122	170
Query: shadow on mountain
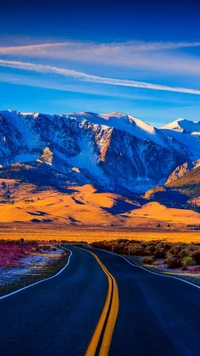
171	199
78	201
120	207
37	221
73	220
40	175
37	213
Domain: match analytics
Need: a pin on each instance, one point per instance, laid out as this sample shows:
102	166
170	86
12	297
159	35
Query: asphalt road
155	315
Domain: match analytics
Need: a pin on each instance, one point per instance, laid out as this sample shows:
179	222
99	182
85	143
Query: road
101	303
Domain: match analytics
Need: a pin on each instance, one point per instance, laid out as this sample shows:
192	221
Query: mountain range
115	155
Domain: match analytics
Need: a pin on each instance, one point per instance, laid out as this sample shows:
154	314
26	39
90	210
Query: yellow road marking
113	300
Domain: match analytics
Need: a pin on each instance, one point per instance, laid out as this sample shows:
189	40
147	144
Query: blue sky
142	58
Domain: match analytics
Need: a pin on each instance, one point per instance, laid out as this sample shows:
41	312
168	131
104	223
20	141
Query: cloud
66	46
156	56
81	76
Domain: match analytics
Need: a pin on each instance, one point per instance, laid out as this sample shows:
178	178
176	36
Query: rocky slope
181	170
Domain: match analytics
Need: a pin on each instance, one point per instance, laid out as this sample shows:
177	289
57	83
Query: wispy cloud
156	56
43	48
81	76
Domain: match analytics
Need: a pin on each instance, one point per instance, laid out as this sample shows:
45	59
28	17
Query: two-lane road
100	302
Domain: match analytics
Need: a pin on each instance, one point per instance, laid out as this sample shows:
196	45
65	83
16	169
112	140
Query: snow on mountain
186	133
183	125
125	123
115	151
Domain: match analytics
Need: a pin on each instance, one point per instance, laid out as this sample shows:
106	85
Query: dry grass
91	235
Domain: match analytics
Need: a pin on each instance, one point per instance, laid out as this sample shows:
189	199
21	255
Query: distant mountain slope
188	183
182	170
183	192
186	133
183	126
34	193
113	152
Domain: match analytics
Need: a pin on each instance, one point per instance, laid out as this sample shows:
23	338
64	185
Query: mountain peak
183	125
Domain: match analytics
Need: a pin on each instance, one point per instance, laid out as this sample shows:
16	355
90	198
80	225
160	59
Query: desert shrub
187	250
147	260
137	250
184	252
160	253
149	250
174	262
196	256
188	261
175	249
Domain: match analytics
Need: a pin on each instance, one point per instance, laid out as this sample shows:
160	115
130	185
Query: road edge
159	274
42	280
146	269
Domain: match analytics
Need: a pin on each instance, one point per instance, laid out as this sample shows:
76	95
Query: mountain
183	125
181	170
182	189
188	183
186	133
87	168
114	152
34	193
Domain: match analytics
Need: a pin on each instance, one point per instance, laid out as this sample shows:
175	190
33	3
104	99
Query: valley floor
72	233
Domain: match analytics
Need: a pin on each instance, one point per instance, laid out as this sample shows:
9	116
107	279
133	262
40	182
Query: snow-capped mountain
187	133
183	126
114	152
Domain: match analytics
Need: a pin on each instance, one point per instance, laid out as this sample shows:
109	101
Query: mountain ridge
94	169
114	151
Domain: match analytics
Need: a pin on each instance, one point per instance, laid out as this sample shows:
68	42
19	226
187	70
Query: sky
137	57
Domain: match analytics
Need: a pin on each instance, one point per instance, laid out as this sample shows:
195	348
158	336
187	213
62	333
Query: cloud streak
81	76
43	48
152	56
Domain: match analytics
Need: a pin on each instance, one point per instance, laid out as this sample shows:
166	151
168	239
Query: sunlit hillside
84	206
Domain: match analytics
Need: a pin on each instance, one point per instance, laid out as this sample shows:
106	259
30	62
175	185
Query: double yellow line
102	335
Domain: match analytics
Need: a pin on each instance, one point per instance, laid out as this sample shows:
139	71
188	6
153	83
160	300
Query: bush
187	251
147	260
149	250
188	261
137	250
174	262
175	249
160	253
196	256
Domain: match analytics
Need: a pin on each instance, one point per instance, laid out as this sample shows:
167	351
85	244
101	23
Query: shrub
175	249
188	261
174	262
187	251
160	253
196	256
137	250
149	250
147	260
